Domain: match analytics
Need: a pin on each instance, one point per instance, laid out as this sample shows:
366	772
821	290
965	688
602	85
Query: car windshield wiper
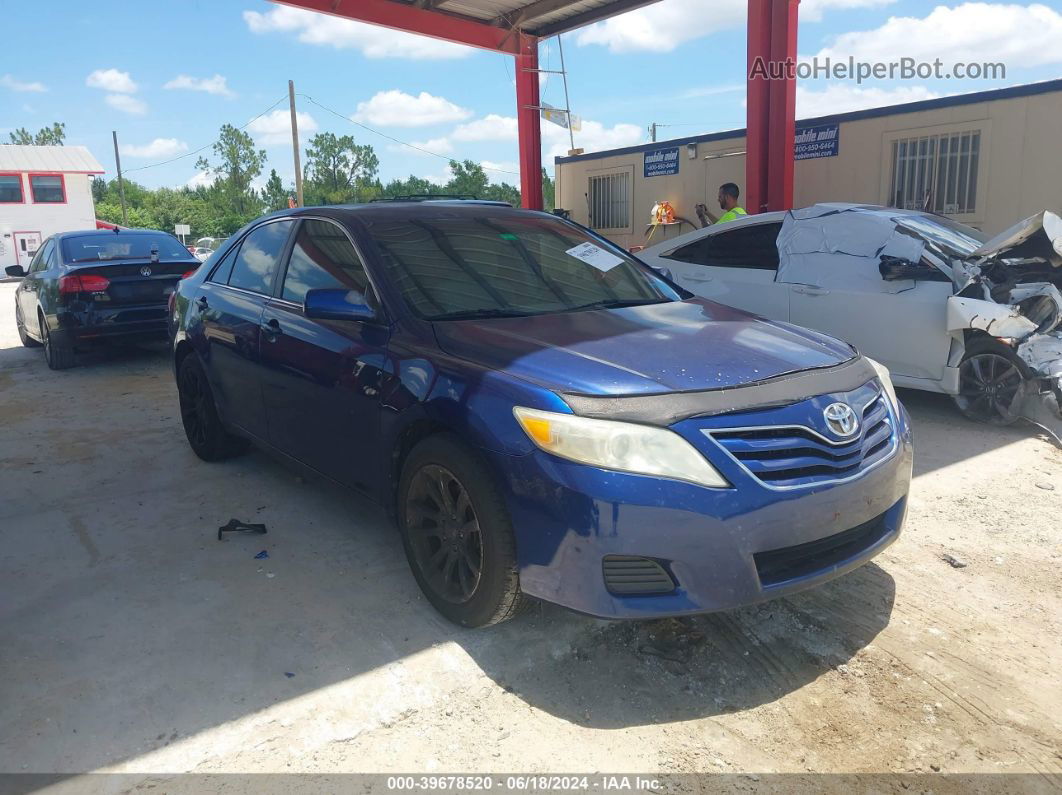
472	314
617	303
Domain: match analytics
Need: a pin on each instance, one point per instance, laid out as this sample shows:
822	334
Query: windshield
448	267
955	238
92	248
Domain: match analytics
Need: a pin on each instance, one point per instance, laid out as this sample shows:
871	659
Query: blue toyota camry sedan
545	415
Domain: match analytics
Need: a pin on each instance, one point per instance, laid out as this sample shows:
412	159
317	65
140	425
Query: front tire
991	377
202	426
457	534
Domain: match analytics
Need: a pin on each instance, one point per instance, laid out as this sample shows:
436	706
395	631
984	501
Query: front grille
789	563
787	456
626	575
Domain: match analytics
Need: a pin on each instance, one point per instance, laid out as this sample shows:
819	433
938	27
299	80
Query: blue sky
167	73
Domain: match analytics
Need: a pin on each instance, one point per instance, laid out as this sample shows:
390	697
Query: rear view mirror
15	270
340	304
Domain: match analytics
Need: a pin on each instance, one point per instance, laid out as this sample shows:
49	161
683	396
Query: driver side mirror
337	304
15	270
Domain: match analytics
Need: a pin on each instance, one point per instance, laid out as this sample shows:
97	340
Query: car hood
677	346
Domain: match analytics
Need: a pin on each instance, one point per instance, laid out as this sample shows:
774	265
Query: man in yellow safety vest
728	202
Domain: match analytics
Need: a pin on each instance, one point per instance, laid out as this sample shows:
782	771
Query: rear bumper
147	321
722	548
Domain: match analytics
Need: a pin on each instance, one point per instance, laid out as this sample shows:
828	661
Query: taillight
83	283
186	274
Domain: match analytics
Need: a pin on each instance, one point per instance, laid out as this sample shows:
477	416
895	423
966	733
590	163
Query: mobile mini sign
662	162
814	142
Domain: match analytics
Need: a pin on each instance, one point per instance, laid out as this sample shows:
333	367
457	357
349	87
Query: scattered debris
236	526
270	575
289	674
954	562
262	555
1045	486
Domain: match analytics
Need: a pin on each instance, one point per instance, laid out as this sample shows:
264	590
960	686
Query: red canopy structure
514	27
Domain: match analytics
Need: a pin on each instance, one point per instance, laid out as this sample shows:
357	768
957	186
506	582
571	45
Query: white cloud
331	31
111	80
812	10
1017	35
594	137
491	127
202	179
399	109
438	146
662	27
160	147
126	104
841	98
274	128
217	85
9	81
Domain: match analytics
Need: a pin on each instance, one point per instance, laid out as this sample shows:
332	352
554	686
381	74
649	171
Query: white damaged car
945	309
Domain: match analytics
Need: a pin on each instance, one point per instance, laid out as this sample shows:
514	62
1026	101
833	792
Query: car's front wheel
202	425
457	534
990	384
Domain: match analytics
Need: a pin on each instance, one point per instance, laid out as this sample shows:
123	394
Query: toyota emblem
841	419
145	271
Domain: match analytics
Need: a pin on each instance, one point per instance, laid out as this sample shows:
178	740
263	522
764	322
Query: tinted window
501	263
10	188
224	269
258	258
40	259
322	258
745	247
131	245
47	188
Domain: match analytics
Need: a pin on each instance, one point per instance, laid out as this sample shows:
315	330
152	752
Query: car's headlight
622	446
886	382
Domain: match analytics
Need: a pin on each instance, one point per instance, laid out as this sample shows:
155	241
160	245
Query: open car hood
1037	237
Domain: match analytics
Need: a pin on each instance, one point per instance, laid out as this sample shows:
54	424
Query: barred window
936	172
610	201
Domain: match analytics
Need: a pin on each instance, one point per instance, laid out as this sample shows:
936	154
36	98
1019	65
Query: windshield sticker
597	257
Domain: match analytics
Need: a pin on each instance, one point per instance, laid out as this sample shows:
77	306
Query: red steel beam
529	122
757	106
424	21
783	106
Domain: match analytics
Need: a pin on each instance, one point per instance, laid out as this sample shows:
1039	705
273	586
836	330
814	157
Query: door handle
271	329
202	303
810	289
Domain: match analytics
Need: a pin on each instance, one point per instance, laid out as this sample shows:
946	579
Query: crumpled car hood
1037	237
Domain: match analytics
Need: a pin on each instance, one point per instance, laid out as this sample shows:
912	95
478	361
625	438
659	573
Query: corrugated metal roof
65	159
538	17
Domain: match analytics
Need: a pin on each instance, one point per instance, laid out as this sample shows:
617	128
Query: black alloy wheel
444	532
57	355
989	387
207	436
458	534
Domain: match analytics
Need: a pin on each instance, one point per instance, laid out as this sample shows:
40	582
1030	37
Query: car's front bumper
569	517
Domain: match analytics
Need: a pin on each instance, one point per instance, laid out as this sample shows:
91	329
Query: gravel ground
133	641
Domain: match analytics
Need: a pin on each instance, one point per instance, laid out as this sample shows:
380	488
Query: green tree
549	192
239	163
275	195
339	171
468	178
46	136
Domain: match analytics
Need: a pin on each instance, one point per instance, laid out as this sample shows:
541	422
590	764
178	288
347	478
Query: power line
206	146
391	138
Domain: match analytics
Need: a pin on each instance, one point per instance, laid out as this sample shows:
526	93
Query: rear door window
259	256
41	259
753	246
322	258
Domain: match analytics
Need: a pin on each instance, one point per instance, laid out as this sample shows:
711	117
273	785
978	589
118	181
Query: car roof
109	232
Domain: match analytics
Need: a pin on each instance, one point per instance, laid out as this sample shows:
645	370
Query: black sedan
86	286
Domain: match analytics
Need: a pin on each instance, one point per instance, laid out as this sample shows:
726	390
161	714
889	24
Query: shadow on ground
128	627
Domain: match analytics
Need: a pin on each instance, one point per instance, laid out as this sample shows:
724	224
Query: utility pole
652	132
295	142
121	185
